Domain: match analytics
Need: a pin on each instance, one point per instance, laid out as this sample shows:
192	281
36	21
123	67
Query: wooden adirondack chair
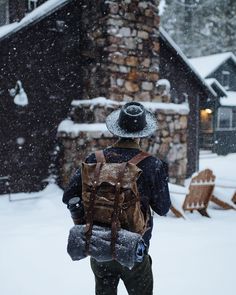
199	195
200	192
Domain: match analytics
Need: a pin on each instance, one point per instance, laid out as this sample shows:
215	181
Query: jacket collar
127	144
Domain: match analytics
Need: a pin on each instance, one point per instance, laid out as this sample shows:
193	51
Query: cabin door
206	129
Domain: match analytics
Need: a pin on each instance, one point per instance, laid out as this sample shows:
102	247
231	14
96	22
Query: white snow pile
96	130
163	82
97	101
196	254
152	106
165	85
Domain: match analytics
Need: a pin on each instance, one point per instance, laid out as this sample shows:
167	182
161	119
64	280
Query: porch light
208	111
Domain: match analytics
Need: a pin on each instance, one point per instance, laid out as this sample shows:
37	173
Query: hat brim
114	128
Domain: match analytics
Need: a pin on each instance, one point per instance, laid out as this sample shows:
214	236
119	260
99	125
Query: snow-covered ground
193	256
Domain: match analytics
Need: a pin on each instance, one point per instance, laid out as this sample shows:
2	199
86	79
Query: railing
5	187
206	140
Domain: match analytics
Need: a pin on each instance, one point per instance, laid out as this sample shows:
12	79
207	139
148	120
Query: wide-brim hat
131	121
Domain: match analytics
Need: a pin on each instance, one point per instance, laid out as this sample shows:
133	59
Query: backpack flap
106	185
109	174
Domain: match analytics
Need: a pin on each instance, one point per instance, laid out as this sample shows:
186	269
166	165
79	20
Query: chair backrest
200	191
234	198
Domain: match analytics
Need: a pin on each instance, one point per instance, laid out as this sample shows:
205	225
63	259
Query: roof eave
33	21
165	36
231	56
219	86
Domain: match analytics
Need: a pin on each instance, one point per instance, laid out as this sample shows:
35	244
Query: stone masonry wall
79	140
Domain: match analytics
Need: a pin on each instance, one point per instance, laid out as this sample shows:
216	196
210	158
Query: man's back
152	183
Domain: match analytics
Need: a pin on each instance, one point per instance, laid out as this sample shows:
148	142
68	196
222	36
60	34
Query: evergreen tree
201	27
3	12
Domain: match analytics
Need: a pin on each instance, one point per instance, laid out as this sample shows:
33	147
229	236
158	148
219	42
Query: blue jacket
152	183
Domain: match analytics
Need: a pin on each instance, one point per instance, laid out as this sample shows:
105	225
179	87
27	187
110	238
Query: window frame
225	79
32	4
234	118
231	127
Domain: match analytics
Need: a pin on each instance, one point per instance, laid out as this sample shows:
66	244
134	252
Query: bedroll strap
115	215
100	157
135	160
89	219
139	157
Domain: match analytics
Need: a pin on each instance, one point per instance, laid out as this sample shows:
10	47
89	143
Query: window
206	120
226	119
32	4
225	79
234	119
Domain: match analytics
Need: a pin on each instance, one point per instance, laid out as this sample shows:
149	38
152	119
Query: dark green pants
138	280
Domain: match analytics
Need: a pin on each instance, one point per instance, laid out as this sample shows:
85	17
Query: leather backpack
111	198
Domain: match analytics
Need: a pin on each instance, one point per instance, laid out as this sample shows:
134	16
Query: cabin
46	62
186	84
218	126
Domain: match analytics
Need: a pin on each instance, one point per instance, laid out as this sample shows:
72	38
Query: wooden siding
18	9
229	66
225	142
47	61
185	84
3	12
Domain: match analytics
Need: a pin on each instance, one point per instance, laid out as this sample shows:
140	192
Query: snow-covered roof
36	15
206	65
166	36
230	100
4	30
162	6
211	81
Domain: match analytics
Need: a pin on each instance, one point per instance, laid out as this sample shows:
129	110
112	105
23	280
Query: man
130	123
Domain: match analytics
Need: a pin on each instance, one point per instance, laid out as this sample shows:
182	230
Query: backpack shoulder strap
100	157
139	157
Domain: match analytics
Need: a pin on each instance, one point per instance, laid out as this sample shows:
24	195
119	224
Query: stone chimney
120	49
